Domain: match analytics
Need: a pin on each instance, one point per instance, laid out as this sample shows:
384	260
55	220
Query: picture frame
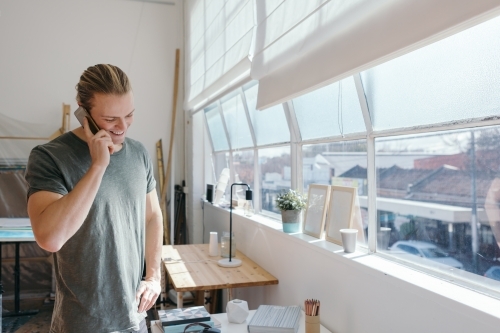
341	211
316	210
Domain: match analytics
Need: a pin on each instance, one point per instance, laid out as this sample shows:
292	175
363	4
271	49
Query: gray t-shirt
98	270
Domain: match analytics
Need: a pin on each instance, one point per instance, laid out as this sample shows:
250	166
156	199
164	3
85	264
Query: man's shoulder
135	145
67	141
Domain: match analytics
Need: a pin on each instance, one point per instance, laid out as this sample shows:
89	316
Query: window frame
467	279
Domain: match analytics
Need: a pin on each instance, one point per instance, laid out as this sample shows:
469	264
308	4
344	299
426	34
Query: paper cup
213	247
349	239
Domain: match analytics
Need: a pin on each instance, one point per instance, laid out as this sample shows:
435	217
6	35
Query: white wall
46	45
357	292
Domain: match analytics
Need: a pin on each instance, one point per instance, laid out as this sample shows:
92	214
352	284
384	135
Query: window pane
270	125
216	128
456	78
427	187
318	112
275	173
342	164
236	122
243	170
220	161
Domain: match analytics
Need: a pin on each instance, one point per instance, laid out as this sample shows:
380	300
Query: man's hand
148	292
100	145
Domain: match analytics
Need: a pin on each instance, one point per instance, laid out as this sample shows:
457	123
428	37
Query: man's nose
122	124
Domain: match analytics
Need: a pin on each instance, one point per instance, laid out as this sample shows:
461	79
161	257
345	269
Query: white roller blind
219	36
303	45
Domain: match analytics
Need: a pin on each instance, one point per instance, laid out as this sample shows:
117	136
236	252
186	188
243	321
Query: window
322	113
216	128
437	197
236	122
339	163
270	125
243	162
336	163
453	79
438	206
220	161
275	173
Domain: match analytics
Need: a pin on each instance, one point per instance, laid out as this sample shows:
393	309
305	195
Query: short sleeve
42	173
149	172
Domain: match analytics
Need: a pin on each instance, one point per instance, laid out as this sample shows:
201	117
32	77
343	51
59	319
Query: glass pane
270	125
438	200
236	122
216	128
220	163
455	78
275	174
318	112
243	162
342	164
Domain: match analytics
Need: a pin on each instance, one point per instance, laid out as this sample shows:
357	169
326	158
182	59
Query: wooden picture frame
341	211
316	210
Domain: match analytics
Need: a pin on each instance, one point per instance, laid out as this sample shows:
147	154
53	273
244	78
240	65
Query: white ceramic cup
349	239
213	247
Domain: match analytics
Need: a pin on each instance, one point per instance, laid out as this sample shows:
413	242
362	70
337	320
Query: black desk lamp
229	262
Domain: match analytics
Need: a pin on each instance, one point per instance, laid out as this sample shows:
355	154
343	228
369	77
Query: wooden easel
163	199
165	177
65	122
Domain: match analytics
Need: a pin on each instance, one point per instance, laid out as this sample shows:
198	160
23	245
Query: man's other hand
148	292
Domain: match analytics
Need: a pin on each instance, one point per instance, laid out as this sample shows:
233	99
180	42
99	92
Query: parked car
493	273
426	250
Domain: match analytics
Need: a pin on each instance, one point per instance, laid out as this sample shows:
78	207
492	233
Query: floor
38	323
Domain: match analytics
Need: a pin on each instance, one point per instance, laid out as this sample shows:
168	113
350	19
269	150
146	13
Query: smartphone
80	113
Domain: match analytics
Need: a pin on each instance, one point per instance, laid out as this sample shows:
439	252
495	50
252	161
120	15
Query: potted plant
291	203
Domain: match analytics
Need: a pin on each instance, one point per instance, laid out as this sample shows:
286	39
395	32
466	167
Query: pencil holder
312	324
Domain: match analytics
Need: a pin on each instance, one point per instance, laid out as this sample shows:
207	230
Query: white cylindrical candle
213	247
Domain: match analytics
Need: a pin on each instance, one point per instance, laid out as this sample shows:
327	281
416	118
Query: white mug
349	239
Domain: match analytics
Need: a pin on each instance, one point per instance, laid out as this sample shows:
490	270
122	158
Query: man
92	201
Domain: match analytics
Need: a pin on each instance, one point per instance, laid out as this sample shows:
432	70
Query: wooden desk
191	268
227	327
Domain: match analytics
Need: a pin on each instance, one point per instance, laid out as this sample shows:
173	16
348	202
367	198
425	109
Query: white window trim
371	134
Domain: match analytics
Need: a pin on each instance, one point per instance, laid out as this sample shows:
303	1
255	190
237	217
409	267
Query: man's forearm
154	241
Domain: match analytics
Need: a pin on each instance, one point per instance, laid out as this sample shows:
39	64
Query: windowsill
377	264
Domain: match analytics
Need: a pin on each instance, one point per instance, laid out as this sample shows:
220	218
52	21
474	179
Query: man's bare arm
56	218
150	288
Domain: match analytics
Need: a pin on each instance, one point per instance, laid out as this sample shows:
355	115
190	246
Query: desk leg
17	289
207	300
229	294
180	298
1	285
17	280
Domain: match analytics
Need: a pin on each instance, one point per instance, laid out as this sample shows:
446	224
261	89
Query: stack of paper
175	320
275	319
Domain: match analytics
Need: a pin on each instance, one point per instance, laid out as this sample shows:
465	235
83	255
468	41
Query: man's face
114	114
